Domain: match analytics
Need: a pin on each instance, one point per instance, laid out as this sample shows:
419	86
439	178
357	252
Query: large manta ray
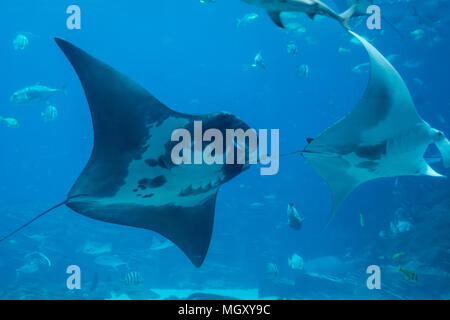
130	178
383	136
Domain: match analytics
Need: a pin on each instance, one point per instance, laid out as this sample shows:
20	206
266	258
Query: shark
130	178
311	7
382	137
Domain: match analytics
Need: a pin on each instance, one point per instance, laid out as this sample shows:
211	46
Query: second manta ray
130	178
383	136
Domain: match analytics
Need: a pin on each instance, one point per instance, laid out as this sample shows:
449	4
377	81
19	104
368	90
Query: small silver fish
248	18
49	114
418	34
35	94
296	262
292	48
10	122
258	62
160	244
360	68
294	219
303	70
20	42
272	270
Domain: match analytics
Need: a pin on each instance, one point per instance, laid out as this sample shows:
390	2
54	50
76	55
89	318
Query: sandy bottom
164	294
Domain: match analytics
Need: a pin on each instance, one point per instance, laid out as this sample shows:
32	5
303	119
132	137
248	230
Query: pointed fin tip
275	16
432	173
357	36
363	41
64	45
197	261
60	41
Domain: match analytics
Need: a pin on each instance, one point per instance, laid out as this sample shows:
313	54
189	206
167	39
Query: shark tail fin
275	16
347	14
444	149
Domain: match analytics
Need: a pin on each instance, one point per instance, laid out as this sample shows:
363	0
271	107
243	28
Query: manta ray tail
33	220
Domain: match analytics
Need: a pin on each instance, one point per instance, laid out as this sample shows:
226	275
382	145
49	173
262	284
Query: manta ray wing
383	136
385	109
130	178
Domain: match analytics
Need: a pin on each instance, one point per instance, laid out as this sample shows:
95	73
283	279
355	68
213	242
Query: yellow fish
409	275
398	255
361	220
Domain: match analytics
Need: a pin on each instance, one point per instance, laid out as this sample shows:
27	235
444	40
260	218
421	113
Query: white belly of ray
404	156
178	178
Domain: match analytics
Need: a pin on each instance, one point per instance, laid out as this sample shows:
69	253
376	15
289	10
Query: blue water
194	58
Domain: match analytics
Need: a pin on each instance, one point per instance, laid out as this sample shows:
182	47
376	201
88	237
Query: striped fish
133	278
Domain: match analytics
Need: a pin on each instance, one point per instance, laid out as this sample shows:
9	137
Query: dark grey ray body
130	178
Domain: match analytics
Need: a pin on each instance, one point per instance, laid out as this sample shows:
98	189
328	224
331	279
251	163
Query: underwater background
196	58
